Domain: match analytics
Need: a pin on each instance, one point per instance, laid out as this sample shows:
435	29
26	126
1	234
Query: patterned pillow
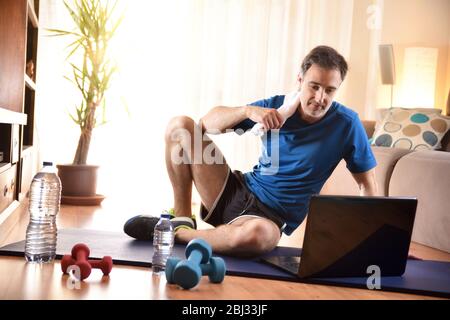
411	129
382	112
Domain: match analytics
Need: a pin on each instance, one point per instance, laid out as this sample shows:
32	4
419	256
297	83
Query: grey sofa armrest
426	175
341	181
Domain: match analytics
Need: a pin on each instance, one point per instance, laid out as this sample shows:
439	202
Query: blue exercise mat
421	276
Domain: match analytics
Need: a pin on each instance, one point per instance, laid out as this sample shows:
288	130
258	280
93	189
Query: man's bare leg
247	236
209	179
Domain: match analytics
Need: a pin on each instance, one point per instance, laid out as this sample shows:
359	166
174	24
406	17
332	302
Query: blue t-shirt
308	154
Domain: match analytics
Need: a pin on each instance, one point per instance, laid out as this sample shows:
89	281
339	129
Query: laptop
345	235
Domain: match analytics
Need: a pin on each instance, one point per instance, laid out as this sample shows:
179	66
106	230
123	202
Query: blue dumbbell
170	266
187	273
215	269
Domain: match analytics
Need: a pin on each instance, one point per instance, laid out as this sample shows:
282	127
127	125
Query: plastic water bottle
45	199
163	239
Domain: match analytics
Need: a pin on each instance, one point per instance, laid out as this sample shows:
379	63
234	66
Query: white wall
356	80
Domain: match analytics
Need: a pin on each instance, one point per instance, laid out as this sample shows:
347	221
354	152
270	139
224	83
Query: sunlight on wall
147	49
180	57
153	82
155	78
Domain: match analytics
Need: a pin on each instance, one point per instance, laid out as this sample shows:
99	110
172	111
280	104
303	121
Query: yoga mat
421	276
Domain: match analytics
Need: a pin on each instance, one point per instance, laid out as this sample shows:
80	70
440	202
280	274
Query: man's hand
269	118
289	107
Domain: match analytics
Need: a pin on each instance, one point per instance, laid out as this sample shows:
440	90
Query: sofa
401	172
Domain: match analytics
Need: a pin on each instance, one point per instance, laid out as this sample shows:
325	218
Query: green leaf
75	49
62	33
73	118
72	12
114	28
125	105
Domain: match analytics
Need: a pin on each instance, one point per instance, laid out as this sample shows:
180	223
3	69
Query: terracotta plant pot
79	184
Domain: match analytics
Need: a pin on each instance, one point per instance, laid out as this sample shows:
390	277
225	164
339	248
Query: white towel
288	108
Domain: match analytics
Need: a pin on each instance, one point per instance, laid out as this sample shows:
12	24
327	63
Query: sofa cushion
412	129
381	113
341	181
426	175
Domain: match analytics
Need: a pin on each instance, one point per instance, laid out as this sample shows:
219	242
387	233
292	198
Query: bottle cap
47	164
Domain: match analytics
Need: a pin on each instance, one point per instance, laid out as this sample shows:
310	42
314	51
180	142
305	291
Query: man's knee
256	237
178	126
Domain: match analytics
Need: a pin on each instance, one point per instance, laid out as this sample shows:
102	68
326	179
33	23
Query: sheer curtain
181	57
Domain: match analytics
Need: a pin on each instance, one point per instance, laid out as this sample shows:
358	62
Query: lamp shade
387	63
419	77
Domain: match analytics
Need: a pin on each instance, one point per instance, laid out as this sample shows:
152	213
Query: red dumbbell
79	257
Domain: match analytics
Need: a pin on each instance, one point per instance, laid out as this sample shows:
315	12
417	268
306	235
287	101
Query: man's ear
299	79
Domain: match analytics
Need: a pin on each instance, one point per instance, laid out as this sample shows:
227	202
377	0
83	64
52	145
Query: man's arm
219	119
366	182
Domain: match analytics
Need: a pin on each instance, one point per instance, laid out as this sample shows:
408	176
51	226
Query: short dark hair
327	58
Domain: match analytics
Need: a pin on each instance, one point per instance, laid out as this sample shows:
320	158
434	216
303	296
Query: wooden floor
20	280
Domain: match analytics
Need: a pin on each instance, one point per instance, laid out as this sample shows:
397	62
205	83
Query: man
250	211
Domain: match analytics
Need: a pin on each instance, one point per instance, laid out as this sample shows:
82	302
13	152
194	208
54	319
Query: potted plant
92	71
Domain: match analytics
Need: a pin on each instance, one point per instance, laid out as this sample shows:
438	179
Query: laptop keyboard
287	263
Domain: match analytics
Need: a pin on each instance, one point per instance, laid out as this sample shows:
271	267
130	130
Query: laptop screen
346	234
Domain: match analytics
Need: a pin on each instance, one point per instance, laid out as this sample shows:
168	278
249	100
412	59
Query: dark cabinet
19	28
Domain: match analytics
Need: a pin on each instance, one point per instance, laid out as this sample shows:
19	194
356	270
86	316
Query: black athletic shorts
235	201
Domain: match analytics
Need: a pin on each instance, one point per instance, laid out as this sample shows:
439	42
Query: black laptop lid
346	234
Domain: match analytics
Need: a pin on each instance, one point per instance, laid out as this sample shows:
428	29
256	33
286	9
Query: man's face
317	89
